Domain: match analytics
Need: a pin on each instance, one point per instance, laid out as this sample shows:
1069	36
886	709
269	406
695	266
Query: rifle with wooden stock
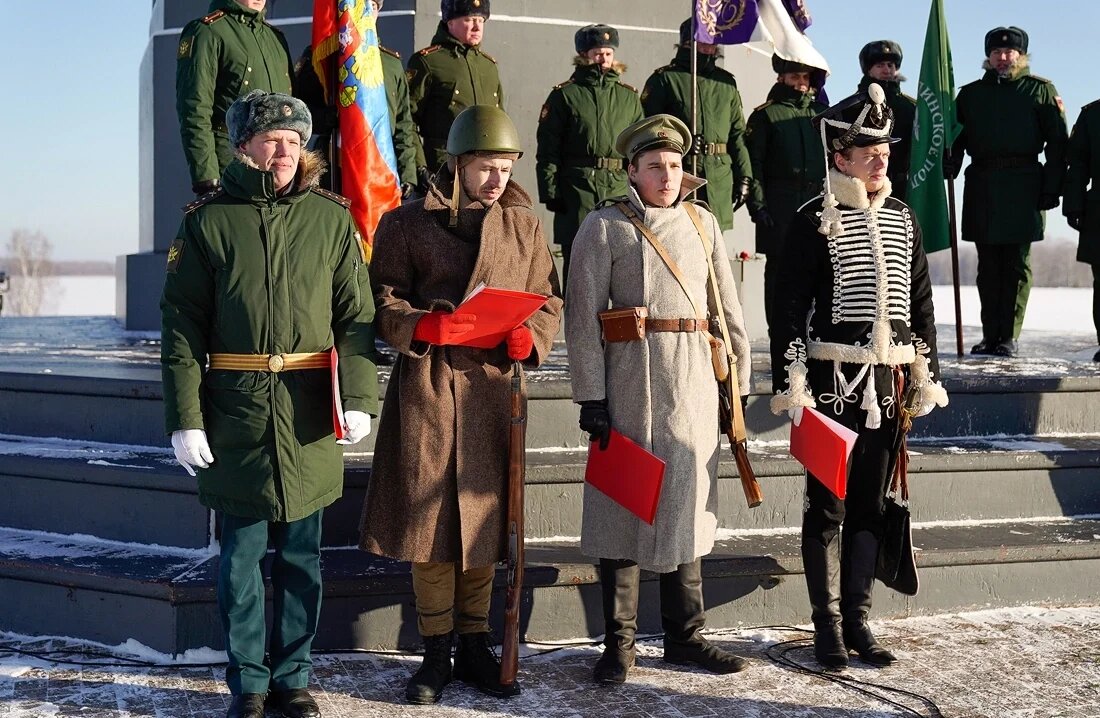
517	469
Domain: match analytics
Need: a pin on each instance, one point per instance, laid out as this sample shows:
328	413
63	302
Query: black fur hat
461	8
879	51
1011	37
593	36
260	111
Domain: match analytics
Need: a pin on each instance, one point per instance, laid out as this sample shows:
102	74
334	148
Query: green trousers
296	601
1004	283
441	589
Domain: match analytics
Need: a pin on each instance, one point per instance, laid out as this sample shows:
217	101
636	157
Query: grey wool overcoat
661	389
438	486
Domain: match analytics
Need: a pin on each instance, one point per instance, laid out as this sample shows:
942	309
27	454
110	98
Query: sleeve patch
1061	105
409	75
175	253
184	50
545	111
364	250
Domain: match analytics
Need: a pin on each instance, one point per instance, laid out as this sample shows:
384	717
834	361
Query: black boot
246	705
294	703
427	684
619	580
984	347
475	662
821	562
857	578
683	618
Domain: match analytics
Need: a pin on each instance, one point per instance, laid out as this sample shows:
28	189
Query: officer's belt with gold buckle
273	363
600	163
714	148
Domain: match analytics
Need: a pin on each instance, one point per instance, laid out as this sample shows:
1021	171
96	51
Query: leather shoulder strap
627	210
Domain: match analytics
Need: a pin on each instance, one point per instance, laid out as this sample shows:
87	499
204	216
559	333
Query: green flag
934	130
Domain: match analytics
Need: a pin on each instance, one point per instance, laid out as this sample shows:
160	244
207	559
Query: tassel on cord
870	403
830	225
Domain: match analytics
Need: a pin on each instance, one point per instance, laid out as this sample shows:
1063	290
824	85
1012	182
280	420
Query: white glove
926	407
795	412
356	427
192	449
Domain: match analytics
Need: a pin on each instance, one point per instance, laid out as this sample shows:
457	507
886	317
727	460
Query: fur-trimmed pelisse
261	111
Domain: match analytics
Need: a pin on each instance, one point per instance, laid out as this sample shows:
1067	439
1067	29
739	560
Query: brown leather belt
273	363
676	325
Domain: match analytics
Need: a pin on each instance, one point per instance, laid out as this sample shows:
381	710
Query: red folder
628	474
823	446
498	312
337	402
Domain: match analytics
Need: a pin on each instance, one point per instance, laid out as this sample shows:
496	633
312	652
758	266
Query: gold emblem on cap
607	36
287	112
662	134
1004	38
275	363
477	3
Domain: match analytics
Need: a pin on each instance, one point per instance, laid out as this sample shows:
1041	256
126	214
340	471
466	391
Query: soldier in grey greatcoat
659	391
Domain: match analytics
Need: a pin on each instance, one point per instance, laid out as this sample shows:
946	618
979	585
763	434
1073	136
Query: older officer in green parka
578	166
225	54
1008	117
265	276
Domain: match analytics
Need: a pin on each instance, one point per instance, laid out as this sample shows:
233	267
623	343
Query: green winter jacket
904	108
444	79
577	129
1006	123
721	121
252	273
788	161
1084	169
226	54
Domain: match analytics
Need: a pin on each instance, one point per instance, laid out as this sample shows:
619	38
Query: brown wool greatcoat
439	479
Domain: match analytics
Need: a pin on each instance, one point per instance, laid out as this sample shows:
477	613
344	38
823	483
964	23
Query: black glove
741	192
555	205
952	165
423	180
1074	219
744	404
697	145
205	186
596	420
1048	200
762	217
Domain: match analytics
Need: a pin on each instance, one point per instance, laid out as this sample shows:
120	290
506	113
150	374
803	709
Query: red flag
368	163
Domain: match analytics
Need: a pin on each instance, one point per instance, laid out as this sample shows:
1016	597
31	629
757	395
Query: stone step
122	403
140	494
111	592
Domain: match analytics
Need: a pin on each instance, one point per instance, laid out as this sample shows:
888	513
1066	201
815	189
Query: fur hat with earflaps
260	111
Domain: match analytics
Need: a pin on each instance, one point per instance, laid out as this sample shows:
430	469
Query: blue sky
70	91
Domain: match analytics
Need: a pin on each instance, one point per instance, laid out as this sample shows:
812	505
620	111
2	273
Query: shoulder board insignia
563	84
1040	79
203	199
761	107
664	68
337	198
213	17
429	50
272	27
629	87
392	53
489	57
909	97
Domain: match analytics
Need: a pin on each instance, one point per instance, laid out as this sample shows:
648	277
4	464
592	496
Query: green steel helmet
483	128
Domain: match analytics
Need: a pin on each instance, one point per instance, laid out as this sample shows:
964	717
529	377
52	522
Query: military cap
653	132
592	36
879	51
781	66
461	8
484	129
1011	37
261	111
861	120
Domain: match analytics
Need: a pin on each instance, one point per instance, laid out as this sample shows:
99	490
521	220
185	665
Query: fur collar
850	192
311	165
582	61
1023	63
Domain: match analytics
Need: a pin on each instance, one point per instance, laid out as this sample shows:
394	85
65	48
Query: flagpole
694	87
955	265
331	66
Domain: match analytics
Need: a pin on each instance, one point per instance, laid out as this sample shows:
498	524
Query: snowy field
1050	308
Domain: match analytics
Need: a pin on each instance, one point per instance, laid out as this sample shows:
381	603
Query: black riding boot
426	685
683	618
857	578
477	663
619	581
821	562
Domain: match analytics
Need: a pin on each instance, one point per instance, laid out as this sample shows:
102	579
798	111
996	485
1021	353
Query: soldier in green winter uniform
265	276
307	86
222	56
719	143
448	76
578	166
1008	117
880	62
788	161
1080	204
